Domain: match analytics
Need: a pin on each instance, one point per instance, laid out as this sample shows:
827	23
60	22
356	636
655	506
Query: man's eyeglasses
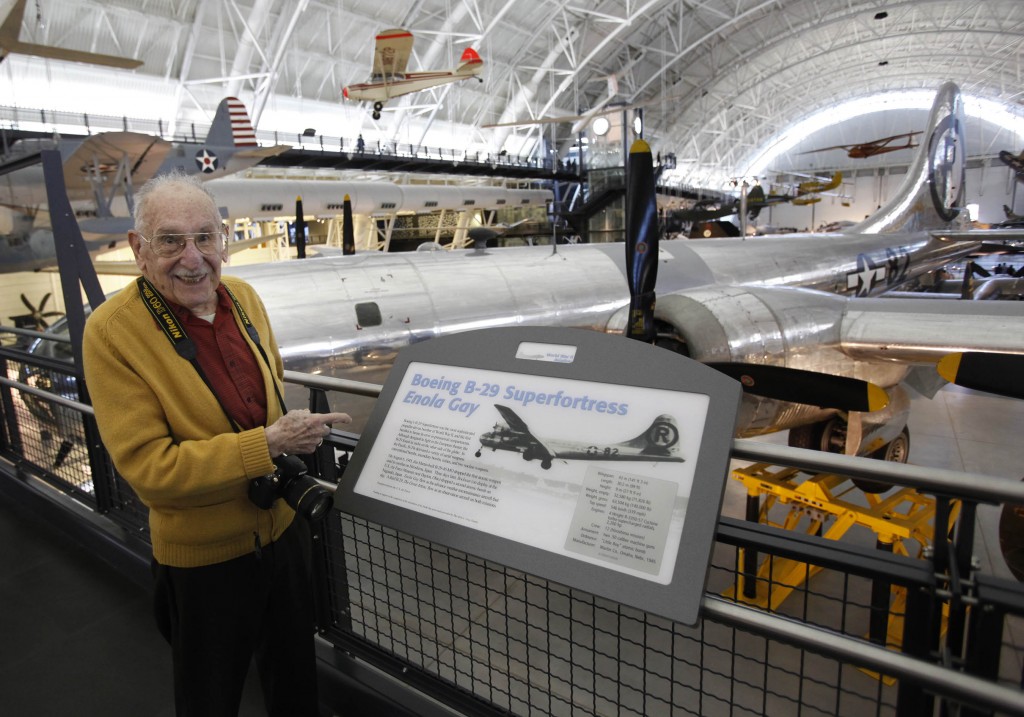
170	245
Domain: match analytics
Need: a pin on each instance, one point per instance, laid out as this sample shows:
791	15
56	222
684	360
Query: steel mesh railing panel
50	436
528	646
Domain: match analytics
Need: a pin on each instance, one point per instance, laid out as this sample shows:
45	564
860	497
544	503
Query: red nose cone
344	92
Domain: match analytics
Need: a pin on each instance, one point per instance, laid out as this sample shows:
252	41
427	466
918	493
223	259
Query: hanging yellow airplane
816	185
389	78
11	45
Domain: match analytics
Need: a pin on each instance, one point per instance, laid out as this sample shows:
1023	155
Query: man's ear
135	242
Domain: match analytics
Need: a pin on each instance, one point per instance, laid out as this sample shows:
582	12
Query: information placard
542	455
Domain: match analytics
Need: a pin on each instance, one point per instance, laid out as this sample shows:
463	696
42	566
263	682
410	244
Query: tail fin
231	126
931	196
470	60
661	438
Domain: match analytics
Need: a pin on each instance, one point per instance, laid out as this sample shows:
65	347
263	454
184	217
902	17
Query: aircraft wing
9	43
918	330
103	152
391	52
60	53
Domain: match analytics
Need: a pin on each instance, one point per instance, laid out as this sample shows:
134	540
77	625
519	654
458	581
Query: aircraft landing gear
377	107
830	436
545	464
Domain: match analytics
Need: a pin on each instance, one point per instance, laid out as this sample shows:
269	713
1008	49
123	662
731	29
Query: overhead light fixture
638	125
881	15
601	126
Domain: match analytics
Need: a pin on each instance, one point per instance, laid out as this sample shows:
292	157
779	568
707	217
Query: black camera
292	482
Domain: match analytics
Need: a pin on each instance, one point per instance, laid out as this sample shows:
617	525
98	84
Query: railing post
911	698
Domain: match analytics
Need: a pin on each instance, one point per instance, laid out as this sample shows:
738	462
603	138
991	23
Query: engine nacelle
780	326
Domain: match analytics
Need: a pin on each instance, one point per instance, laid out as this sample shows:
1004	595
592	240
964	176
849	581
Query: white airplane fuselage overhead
269	198
801	302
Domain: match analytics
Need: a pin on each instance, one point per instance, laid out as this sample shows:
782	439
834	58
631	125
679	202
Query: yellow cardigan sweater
171	440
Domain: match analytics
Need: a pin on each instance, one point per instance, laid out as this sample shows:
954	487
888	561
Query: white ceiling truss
719	78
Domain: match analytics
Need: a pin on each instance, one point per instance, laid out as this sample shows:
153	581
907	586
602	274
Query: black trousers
218	617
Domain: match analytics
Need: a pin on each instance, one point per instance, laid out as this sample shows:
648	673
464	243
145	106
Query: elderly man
185	378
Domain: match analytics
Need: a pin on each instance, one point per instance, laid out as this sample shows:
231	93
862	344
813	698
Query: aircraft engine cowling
780	326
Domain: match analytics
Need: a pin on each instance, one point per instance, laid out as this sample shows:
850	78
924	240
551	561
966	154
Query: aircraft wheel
477	454
545	464
377	107
376	115
897	451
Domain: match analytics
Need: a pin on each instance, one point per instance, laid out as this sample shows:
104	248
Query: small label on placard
556	353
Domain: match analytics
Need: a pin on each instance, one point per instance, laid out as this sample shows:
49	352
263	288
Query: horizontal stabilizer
982	371
799	386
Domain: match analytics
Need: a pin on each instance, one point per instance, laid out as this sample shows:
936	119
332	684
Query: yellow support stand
816	500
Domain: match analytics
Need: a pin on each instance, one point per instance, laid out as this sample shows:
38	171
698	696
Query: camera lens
307	497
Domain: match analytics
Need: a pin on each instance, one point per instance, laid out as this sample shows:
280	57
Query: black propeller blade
641	242
300	229
36	318
810	387
996	373
348	236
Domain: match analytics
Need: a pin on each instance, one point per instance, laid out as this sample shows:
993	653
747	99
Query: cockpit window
368	314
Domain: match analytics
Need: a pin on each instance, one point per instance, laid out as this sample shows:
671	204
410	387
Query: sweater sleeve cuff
255	453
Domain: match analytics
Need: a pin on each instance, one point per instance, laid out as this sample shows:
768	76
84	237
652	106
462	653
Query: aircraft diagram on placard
658	443
11	45
877	146
100	173
390	79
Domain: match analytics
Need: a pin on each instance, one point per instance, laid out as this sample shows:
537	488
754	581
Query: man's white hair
175	178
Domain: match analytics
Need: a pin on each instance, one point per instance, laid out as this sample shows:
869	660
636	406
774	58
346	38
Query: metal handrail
942	481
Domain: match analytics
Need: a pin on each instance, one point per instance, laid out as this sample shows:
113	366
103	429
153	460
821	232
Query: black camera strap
186	348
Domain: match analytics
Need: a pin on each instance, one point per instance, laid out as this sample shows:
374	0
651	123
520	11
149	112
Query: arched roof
717	79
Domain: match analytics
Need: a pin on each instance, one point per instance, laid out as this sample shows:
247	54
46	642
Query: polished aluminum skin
796	301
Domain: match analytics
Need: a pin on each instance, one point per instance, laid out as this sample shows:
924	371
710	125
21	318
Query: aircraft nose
344	92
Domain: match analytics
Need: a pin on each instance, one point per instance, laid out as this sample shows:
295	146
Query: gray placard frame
600	359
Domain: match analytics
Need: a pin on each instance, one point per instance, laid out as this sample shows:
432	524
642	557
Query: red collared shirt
229	364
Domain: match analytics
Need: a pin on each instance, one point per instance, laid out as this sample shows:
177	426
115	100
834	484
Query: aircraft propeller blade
641	242
300	229
810	387
995	373
348	236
